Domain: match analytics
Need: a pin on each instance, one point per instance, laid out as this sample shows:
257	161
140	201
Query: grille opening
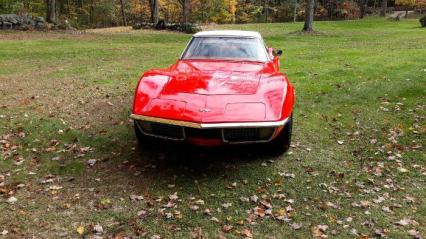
162	130
203	133
229	135
247	134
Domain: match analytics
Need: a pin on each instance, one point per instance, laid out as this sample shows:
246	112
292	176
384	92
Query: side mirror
278	52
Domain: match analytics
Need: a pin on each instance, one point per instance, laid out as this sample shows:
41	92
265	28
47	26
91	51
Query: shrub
161	25
423	21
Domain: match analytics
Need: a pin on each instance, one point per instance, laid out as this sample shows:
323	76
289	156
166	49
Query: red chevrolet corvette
226	88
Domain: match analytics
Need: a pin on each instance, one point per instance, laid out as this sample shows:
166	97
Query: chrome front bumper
224	130
211	125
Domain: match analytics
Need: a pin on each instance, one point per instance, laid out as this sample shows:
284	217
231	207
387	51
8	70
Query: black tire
142	139
282	142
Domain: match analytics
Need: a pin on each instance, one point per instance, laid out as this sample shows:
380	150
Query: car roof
228	33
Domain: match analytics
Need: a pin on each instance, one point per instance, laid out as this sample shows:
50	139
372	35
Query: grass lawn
356	169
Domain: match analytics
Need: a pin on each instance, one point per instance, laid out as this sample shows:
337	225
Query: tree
185	4
265	9
384	8
123	14
409	4
50	11
153	5
309	15
362	7
295	11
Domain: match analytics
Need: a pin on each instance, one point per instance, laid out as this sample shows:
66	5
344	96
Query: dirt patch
71	99
109	30
312	33
20	35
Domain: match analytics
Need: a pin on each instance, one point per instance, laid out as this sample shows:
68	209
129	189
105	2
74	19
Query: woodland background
108	13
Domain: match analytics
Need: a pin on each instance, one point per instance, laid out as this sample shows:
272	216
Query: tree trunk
265	8
153	4
363	8
309	15
123	14
384	8
50	11
295	11
185	10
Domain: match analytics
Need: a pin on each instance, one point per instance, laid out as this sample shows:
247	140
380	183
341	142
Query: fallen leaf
406	222
244	199
98	229
415	234
136	197
12	200
80	230
91	162
227	228
207	211
194	207
173	196
247	233
296	226
142	213
380	232
319	231
254	198
197	233
402	170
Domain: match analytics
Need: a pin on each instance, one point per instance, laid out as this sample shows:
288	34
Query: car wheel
282	142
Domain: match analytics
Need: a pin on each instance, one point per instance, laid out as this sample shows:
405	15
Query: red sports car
226	88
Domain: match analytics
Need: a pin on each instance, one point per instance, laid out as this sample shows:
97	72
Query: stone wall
25	23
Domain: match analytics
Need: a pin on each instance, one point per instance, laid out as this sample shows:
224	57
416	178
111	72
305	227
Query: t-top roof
228	33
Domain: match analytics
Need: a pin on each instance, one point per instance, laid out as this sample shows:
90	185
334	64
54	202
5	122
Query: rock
24	27
41	26
162	25
39	19
7	25
28	22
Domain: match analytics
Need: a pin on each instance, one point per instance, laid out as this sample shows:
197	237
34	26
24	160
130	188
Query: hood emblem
204	110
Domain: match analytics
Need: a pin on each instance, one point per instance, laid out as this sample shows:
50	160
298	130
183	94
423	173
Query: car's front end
225	89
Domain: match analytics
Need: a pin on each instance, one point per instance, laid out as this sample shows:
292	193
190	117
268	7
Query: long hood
212	92
214	78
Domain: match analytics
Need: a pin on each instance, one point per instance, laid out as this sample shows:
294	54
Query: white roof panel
230	33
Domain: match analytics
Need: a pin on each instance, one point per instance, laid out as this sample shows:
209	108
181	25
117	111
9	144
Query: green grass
355	82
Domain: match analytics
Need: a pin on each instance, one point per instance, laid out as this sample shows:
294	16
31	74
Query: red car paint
215	91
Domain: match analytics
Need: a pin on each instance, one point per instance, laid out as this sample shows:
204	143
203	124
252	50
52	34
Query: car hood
214	78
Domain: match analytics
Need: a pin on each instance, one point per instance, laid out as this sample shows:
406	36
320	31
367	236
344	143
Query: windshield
228	48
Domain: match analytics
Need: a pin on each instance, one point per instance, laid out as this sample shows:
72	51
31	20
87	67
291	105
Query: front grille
162	130
228	135
233	135
247	134
203	133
